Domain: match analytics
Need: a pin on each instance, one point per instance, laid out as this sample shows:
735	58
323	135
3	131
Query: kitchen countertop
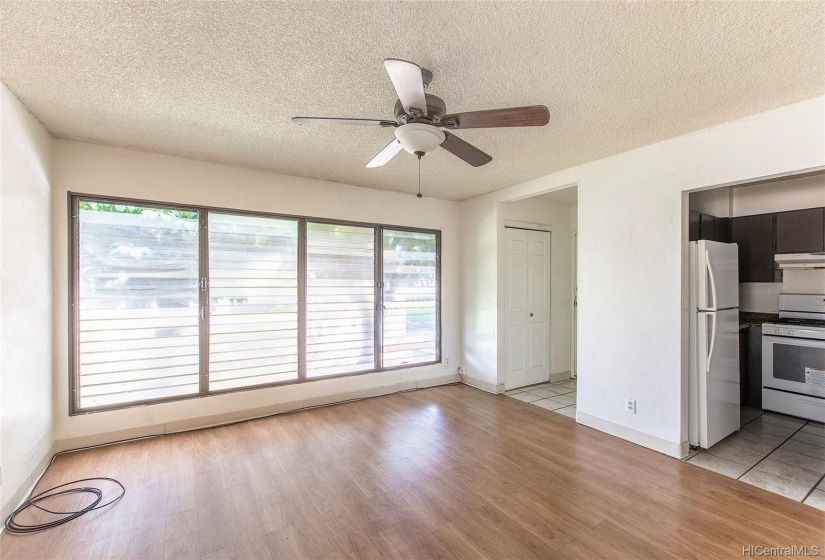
749	319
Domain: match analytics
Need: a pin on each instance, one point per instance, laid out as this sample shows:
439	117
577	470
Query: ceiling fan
421	120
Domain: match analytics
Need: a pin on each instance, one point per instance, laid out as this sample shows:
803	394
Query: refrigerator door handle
712	342
712	284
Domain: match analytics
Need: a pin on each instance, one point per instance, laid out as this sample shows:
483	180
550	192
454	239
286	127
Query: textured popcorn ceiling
219	81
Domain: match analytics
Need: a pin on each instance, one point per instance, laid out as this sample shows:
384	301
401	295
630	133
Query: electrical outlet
446	362
460	370
630	406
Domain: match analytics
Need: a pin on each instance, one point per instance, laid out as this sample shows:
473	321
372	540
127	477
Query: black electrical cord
22	529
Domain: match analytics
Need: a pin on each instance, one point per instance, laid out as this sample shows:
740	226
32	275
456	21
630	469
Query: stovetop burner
800	322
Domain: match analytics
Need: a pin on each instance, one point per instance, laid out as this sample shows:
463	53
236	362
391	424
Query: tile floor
779	453
559	396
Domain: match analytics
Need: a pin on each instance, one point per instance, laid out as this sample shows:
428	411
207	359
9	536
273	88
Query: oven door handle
795	340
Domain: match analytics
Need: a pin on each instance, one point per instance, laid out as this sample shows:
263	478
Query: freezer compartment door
718	376
720	266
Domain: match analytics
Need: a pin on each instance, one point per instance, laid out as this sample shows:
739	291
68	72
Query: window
137	304
253	301
410	297
340	299
172	302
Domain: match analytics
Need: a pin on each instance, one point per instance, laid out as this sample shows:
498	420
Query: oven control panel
793	332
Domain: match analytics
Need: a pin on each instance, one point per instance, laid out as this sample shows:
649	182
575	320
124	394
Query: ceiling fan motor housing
436	108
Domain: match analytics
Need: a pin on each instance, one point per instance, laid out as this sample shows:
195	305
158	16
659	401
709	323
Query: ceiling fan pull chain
419	154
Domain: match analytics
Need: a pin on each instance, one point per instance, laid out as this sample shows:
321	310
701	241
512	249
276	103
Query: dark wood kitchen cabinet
800	231
705	226
694	225
743	365
721	230
755	237
754	383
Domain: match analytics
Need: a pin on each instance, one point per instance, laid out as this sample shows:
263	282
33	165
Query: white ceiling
219	81
568	196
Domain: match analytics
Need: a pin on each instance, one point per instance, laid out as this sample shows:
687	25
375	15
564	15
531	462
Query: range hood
800	260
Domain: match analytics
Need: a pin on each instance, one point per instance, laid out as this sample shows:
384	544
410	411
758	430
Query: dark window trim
203	212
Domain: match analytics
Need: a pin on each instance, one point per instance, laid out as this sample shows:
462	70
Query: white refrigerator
714	342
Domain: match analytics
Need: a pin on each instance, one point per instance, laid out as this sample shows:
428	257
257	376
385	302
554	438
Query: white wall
479	296
91	169
544	212
632	313
763	297
779	196
714	202
574	217
26	422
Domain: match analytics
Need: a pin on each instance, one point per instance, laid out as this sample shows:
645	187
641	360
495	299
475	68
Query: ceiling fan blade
465	150
349	122
535	115
408	82
385	155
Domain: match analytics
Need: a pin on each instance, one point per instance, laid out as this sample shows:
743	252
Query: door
722	267
527	307
800	231
795	365
755	237
719	386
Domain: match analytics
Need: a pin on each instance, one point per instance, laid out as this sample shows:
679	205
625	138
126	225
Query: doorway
527	307
535	362
574	258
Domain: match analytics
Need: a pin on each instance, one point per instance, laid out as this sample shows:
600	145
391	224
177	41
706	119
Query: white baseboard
499	387
671	448
435	381
483	385
26	488
561	376
247	414
77	443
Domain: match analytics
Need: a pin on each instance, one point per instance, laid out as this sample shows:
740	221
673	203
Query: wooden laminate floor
446	472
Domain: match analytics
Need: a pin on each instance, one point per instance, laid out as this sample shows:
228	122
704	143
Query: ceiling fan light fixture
419	137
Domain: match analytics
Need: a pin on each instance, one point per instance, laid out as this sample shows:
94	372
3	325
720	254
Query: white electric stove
793	358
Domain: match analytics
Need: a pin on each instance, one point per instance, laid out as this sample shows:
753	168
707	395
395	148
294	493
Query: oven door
794	364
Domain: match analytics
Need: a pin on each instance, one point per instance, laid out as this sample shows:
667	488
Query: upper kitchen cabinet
721	230
705	226
755	237
694	225
800	231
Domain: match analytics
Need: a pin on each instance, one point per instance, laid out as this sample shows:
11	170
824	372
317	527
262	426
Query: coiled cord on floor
18	528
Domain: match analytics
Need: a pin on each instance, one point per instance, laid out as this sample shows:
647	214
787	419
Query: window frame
74	199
